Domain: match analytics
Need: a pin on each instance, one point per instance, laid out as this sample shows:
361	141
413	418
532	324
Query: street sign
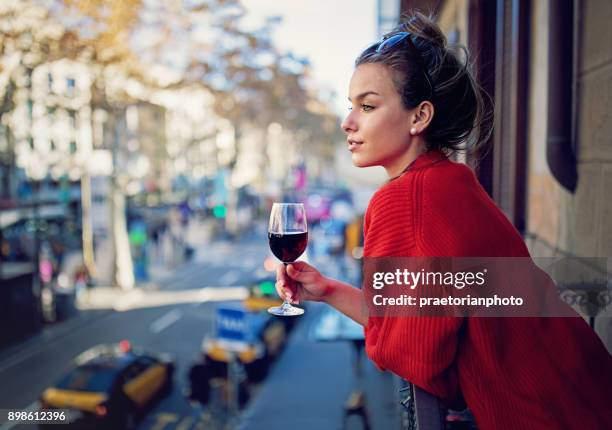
232	324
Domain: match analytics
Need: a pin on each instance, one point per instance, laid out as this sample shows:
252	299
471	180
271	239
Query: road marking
163	419
32	406
19	357
230	277
166	321
40	343
195	297
184	424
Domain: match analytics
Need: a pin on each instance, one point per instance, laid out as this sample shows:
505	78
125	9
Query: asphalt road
173	316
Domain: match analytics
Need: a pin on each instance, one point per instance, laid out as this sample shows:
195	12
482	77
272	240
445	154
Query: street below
171	314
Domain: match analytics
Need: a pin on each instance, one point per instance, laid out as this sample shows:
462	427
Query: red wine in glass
288	246
288	237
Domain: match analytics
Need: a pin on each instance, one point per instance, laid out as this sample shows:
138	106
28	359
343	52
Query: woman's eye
367	108
350	108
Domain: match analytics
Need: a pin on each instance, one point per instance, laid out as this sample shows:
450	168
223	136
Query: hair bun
423	27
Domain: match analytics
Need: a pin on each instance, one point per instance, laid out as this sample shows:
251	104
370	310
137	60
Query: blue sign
232	324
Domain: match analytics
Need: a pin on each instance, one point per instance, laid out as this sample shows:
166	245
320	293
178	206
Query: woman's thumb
294	272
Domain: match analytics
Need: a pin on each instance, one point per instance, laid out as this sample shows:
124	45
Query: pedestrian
81	280
414	102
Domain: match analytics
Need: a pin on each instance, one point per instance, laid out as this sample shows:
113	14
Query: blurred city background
142	143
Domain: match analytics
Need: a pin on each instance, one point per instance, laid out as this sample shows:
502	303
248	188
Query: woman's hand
300	281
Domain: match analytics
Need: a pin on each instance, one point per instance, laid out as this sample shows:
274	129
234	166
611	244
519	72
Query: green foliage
204	43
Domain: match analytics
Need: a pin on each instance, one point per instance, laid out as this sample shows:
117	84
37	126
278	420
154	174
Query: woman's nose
348	125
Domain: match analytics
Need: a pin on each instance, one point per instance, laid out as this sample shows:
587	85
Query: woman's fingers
283	283
282	290
303	273
280	281
300	266
295	273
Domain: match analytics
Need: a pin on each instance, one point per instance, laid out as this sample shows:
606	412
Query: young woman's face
378	125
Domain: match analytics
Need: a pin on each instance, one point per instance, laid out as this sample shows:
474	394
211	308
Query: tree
202	42
32	36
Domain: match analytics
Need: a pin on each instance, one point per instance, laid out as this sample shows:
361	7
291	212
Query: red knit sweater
514	373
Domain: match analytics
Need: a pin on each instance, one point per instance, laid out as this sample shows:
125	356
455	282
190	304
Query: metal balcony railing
419	410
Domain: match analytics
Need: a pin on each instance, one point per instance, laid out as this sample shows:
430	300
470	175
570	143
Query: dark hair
463	114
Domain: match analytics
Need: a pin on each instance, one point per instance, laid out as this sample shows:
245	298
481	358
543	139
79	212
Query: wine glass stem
286	303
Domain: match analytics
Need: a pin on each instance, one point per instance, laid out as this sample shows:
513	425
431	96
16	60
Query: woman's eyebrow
362	95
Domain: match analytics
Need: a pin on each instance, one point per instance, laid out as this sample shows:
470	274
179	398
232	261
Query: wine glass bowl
288	246
288	238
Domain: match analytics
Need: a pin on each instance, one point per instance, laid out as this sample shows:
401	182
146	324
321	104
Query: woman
413	102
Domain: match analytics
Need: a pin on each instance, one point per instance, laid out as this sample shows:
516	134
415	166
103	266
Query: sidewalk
309	385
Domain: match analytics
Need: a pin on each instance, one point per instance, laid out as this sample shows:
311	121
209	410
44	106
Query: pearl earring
413	131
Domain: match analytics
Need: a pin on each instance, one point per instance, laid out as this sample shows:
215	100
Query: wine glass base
288	311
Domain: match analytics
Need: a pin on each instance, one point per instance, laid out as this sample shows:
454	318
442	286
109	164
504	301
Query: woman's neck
416	148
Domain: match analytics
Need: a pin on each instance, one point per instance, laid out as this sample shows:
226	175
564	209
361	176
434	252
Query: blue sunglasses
391	41
396	39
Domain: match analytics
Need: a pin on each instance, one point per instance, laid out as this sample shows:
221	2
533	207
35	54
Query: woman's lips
353	145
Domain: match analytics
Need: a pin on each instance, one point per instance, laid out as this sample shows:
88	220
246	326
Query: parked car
110	386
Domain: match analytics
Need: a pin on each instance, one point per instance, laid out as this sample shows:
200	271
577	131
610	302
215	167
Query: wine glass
288	237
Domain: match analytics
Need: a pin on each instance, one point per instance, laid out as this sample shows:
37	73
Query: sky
329	33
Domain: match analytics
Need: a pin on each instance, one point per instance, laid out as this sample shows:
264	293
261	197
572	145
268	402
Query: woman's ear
423	115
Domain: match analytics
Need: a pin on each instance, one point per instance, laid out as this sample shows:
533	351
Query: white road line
36	347
230	277
211	293
166	321
185	423
31	407
19	357
163	419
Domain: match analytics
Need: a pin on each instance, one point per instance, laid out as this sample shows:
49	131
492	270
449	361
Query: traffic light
219	211
267	288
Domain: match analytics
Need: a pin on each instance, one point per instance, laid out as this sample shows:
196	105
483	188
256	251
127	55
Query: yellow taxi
110	386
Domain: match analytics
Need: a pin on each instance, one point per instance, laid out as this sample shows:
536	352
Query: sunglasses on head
388	43
394	40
